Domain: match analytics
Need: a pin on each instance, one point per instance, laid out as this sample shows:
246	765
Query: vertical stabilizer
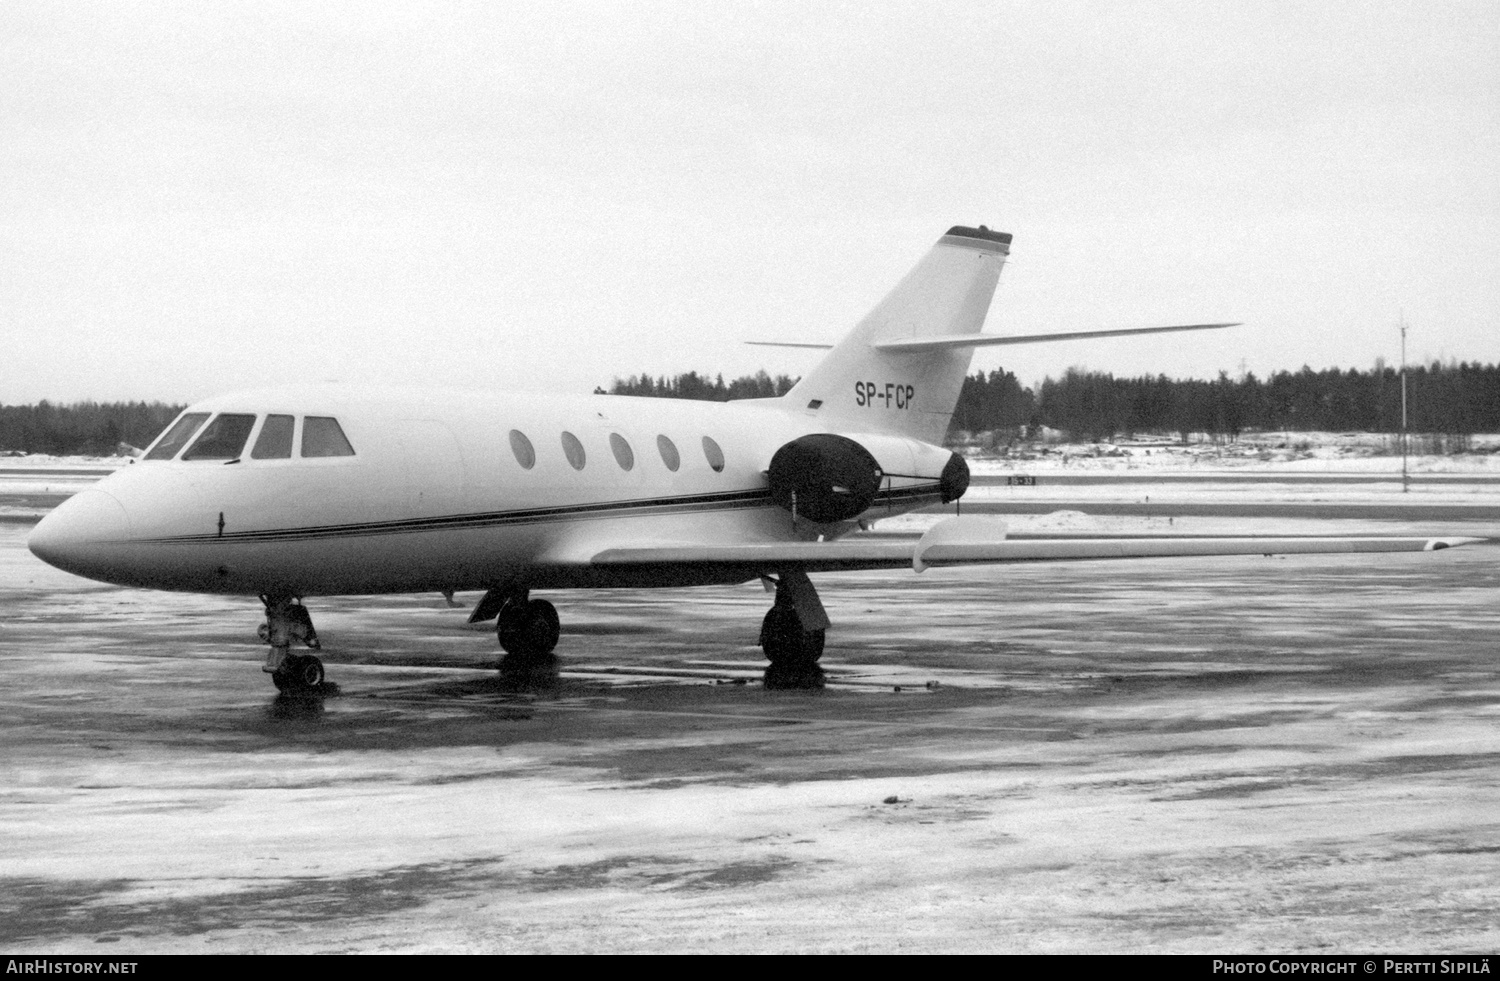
858	387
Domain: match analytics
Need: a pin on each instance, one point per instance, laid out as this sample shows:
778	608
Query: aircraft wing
978	540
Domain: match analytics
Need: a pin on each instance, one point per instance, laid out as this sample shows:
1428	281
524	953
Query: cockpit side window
222	439
176	436
275	439
322	436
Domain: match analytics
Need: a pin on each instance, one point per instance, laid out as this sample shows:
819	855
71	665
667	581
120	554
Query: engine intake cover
833	477
954	480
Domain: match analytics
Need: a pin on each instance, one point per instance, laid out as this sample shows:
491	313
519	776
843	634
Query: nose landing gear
288	620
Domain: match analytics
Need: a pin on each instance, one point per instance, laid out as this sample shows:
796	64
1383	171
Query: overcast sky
201	197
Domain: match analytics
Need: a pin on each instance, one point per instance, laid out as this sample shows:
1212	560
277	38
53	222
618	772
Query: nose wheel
299	673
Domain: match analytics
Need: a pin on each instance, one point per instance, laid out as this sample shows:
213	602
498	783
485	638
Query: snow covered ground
1266	453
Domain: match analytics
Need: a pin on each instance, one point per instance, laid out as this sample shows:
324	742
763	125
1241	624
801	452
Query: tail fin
861	387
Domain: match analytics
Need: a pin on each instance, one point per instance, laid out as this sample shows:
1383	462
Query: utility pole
1405	477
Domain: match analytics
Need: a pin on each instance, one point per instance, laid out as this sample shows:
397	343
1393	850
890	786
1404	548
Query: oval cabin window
714	454
669	454
623	454
521	447
574	451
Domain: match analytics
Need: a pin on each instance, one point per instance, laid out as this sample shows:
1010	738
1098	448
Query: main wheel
510	626
528	629
784	640
544	626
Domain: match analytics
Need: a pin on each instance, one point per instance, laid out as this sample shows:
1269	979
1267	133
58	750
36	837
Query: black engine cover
954	480
833	477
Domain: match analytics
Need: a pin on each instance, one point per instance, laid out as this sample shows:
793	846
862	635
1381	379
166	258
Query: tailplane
866	386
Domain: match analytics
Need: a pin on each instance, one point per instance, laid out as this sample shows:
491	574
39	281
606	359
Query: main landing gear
287	620
526	628
792	634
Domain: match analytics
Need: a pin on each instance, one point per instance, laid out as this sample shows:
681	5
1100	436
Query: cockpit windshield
223	439
176	436
226	436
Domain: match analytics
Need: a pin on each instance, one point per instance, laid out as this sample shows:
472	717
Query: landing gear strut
792	634
287	620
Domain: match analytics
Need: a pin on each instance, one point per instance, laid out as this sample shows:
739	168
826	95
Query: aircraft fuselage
437	495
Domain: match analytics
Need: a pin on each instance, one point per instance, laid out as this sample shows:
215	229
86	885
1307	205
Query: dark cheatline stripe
703	502
727	501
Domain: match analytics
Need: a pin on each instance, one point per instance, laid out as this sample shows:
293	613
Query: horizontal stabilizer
917	345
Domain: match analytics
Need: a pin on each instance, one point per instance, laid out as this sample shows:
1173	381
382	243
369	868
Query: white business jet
319	490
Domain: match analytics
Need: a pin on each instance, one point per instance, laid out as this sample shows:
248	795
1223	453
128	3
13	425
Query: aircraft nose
65	536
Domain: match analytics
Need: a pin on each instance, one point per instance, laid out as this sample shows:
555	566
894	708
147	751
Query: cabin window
714	454
669	454
574	451
275	439
522	448
323	436
176	436
222	439
623	454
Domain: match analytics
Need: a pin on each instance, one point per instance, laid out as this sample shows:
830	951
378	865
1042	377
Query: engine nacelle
829	478
953	482
825	478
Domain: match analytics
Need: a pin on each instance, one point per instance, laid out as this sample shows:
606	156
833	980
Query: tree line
82	428
1450	399
692	385
1453	399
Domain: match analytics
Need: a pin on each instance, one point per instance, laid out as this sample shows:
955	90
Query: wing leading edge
974	540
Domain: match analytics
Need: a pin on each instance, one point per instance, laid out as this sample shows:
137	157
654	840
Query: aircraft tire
299	673
543	627
510	627
812	645
528	629
784	640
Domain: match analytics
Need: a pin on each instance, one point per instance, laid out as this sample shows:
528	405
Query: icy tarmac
1219	755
